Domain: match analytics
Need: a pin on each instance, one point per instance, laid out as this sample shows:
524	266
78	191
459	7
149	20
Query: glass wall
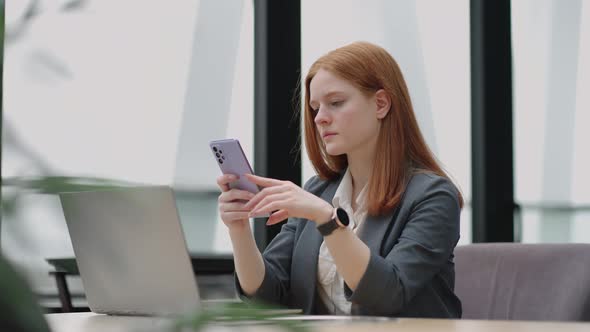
134	90
551	55
127	90
430	41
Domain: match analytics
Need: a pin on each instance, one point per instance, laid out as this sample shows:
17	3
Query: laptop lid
131	251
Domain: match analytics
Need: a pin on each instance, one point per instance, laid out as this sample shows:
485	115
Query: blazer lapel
372	230
310	249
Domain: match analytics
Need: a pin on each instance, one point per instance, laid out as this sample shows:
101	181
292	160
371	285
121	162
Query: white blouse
330	283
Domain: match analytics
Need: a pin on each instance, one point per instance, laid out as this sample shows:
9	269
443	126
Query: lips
328	134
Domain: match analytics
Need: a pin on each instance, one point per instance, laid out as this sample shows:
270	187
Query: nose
321	117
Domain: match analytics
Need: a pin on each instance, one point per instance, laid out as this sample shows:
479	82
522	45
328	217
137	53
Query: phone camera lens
215	149
217	155
220	151
220	161
223	157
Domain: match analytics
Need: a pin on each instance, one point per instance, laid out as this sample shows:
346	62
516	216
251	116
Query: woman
373	233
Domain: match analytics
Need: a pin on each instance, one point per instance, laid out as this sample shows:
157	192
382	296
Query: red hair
400	145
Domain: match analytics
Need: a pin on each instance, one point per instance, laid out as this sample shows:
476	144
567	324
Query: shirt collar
343	195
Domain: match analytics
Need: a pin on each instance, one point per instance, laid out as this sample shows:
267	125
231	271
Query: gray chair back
515	281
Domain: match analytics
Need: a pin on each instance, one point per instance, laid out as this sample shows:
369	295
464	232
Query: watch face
342	216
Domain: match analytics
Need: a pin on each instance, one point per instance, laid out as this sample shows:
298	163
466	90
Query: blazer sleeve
277	268
277	264
425	244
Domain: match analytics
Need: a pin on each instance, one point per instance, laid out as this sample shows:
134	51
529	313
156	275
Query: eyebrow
327	95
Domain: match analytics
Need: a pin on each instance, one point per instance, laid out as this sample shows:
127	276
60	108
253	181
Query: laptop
131	252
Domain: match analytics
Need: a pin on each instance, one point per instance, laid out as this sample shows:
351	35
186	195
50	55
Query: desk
89	322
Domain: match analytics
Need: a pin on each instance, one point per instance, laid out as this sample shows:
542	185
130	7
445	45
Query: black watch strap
328	227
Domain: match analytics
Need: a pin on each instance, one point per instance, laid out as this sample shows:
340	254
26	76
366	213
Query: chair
514	281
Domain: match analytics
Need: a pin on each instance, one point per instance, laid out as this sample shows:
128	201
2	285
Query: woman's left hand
287	200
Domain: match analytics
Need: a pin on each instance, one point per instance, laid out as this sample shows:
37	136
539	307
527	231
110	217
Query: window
551	43
128	90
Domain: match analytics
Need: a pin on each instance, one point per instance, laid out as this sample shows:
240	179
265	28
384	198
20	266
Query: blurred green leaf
15	187
19	310
233	313
60	184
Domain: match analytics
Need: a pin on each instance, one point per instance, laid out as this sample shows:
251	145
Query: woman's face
347	120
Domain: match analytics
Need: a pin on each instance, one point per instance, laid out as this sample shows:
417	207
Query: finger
262	181
263	194
233	207
263	206
224	180
233	216
277	217
271	206
235	194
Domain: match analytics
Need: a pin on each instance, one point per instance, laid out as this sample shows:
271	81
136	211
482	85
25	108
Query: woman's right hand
231	203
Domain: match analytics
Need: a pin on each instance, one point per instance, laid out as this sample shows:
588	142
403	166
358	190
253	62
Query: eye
337	103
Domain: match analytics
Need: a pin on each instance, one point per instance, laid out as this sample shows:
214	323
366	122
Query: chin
333	150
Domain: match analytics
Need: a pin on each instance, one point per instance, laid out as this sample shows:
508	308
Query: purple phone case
232	160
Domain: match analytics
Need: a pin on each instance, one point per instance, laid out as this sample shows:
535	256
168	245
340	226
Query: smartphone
232	160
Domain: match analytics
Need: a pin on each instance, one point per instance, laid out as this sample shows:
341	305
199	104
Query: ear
383	103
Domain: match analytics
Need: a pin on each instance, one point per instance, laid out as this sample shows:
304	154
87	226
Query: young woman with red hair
374	232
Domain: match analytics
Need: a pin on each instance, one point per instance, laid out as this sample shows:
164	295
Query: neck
360	165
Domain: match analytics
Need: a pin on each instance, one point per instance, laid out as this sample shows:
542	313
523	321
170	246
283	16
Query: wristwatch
340	219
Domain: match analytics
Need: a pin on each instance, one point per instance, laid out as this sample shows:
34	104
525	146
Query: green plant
19	310
24	314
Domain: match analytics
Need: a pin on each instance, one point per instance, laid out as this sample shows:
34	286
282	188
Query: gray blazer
410	273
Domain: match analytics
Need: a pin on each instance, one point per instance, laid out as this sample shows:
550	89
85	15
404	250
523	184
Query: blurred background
133	90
